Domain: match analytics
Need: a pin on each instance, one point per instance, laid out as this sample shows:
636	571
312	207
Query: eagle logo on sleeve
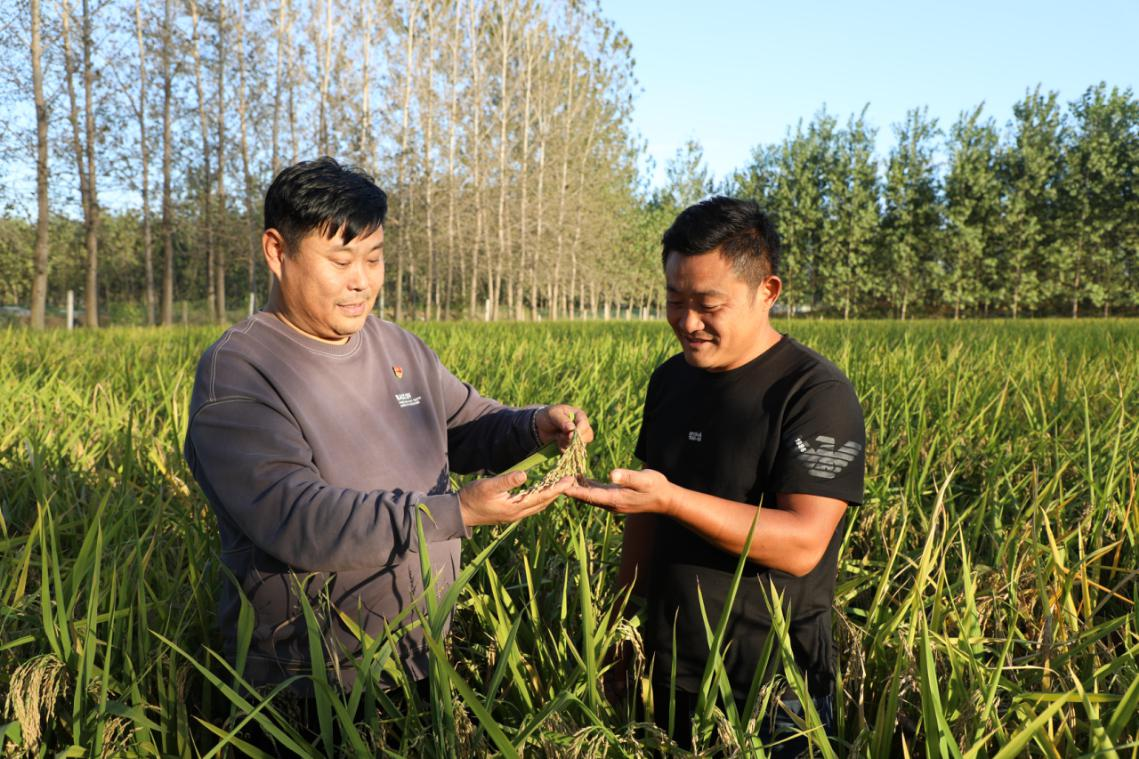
824	460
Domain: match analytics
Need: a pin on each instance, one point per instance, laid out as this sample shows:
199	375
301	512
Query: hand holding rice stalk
571	463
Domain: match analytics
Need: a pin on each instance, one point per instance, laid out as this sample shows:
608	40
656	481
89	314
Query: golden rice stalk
117	732
572	463
35	687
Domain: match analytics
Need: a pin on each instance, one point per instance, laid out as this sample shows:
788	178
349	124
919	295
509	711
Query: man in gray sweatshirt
317	432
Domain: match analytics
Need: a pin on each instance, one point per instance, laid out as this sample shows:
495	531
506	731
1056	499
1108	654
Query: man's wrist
670	503
534	425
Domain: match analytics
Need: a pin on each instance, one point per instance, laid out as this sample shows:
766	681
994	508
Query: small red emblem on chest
398	372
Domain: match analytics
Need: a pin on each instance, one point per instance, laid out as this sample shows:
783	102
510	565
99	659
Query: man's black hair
741	232
325	197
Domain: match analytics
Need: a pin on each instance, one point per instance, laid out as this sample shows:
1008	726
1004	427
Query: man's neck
274	308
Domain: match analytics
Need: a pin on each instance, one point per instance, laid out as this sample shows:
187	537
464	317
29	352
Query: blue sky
735	74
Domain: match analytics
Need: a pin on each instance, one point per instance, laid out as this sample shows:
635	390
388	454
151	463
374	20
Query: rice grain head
34	689
572	463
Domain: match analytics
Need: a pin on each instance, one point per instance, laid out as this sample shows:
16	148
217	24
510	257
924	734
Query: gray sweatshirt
314	458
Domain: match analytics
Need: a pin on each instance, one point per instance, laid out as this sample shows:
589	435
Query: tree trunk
452	126
207	180
43	219
506	96
402	186
476	155
427	112
220	262
524	251
92	194
82	164
1076	296
543	117
365	158
251	232
275	127
144	158
323	141
291	79
167	168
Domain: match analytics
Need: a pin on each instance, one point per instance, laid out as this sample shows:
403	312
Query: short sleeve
823	444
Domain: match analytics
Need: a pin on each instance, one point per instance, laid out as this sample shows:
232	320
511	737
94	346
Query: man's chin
701	359
347	328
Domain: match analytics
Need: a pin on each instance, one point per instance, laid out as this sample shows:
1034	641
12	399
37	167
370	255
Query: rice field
986	594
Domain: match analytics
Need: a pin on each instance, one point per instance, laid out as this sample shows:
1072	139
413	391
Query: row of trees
500	129
1040	216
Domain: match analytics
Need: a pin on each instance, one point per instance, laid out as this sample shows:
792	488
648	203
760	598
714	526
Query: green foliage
912	217
1039	220
845	272
973	212
1099	200
985	599
688	178
1032	174
791	182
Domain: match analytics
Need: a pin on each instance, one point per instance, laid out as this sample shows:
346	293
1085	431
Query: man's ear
769	290
273	247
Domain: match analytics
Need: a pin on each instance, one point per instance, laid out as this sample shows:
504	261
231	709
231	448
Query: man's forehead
707	274
369	238
709	292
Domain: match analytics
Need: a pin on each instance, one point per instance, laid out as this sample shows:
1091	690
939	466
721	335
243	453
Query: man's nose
358	276
691	321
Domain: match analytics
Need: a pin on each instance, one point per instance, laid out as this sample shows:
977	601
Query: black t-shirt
787	422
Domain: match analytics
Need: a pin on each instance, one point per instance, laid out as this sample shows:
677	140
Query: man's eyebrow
343	248
700	294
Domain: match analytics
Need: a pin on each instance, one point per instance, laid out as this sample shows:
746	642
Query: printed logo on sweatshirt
695	437
407	399
825	462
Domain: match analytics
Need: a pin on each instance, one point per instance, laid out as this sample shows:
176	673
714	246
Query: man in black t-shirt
743	417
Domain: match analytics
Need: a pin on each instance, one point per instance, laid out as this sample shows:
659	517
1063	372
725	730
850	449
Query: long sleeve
481	432
258	471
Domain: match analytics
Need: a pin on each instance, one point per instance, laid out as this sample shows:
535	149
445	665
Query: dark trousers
778	725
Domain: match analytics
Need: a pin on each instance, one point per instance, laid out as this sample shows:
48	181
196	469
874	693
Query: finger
504	482
588	483
536	502
582	426
546	494
628	478
598	496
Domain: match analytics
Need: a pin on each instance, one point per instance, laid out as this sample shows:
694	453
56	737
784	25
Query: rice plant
985	605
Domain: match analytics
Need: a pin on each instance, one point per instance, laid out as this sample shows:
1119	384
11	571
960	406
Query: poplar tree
83	142
912	214
758	179
687	178
43	220
825	172
972	210
1097	200
851	233
798	203
1031	169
